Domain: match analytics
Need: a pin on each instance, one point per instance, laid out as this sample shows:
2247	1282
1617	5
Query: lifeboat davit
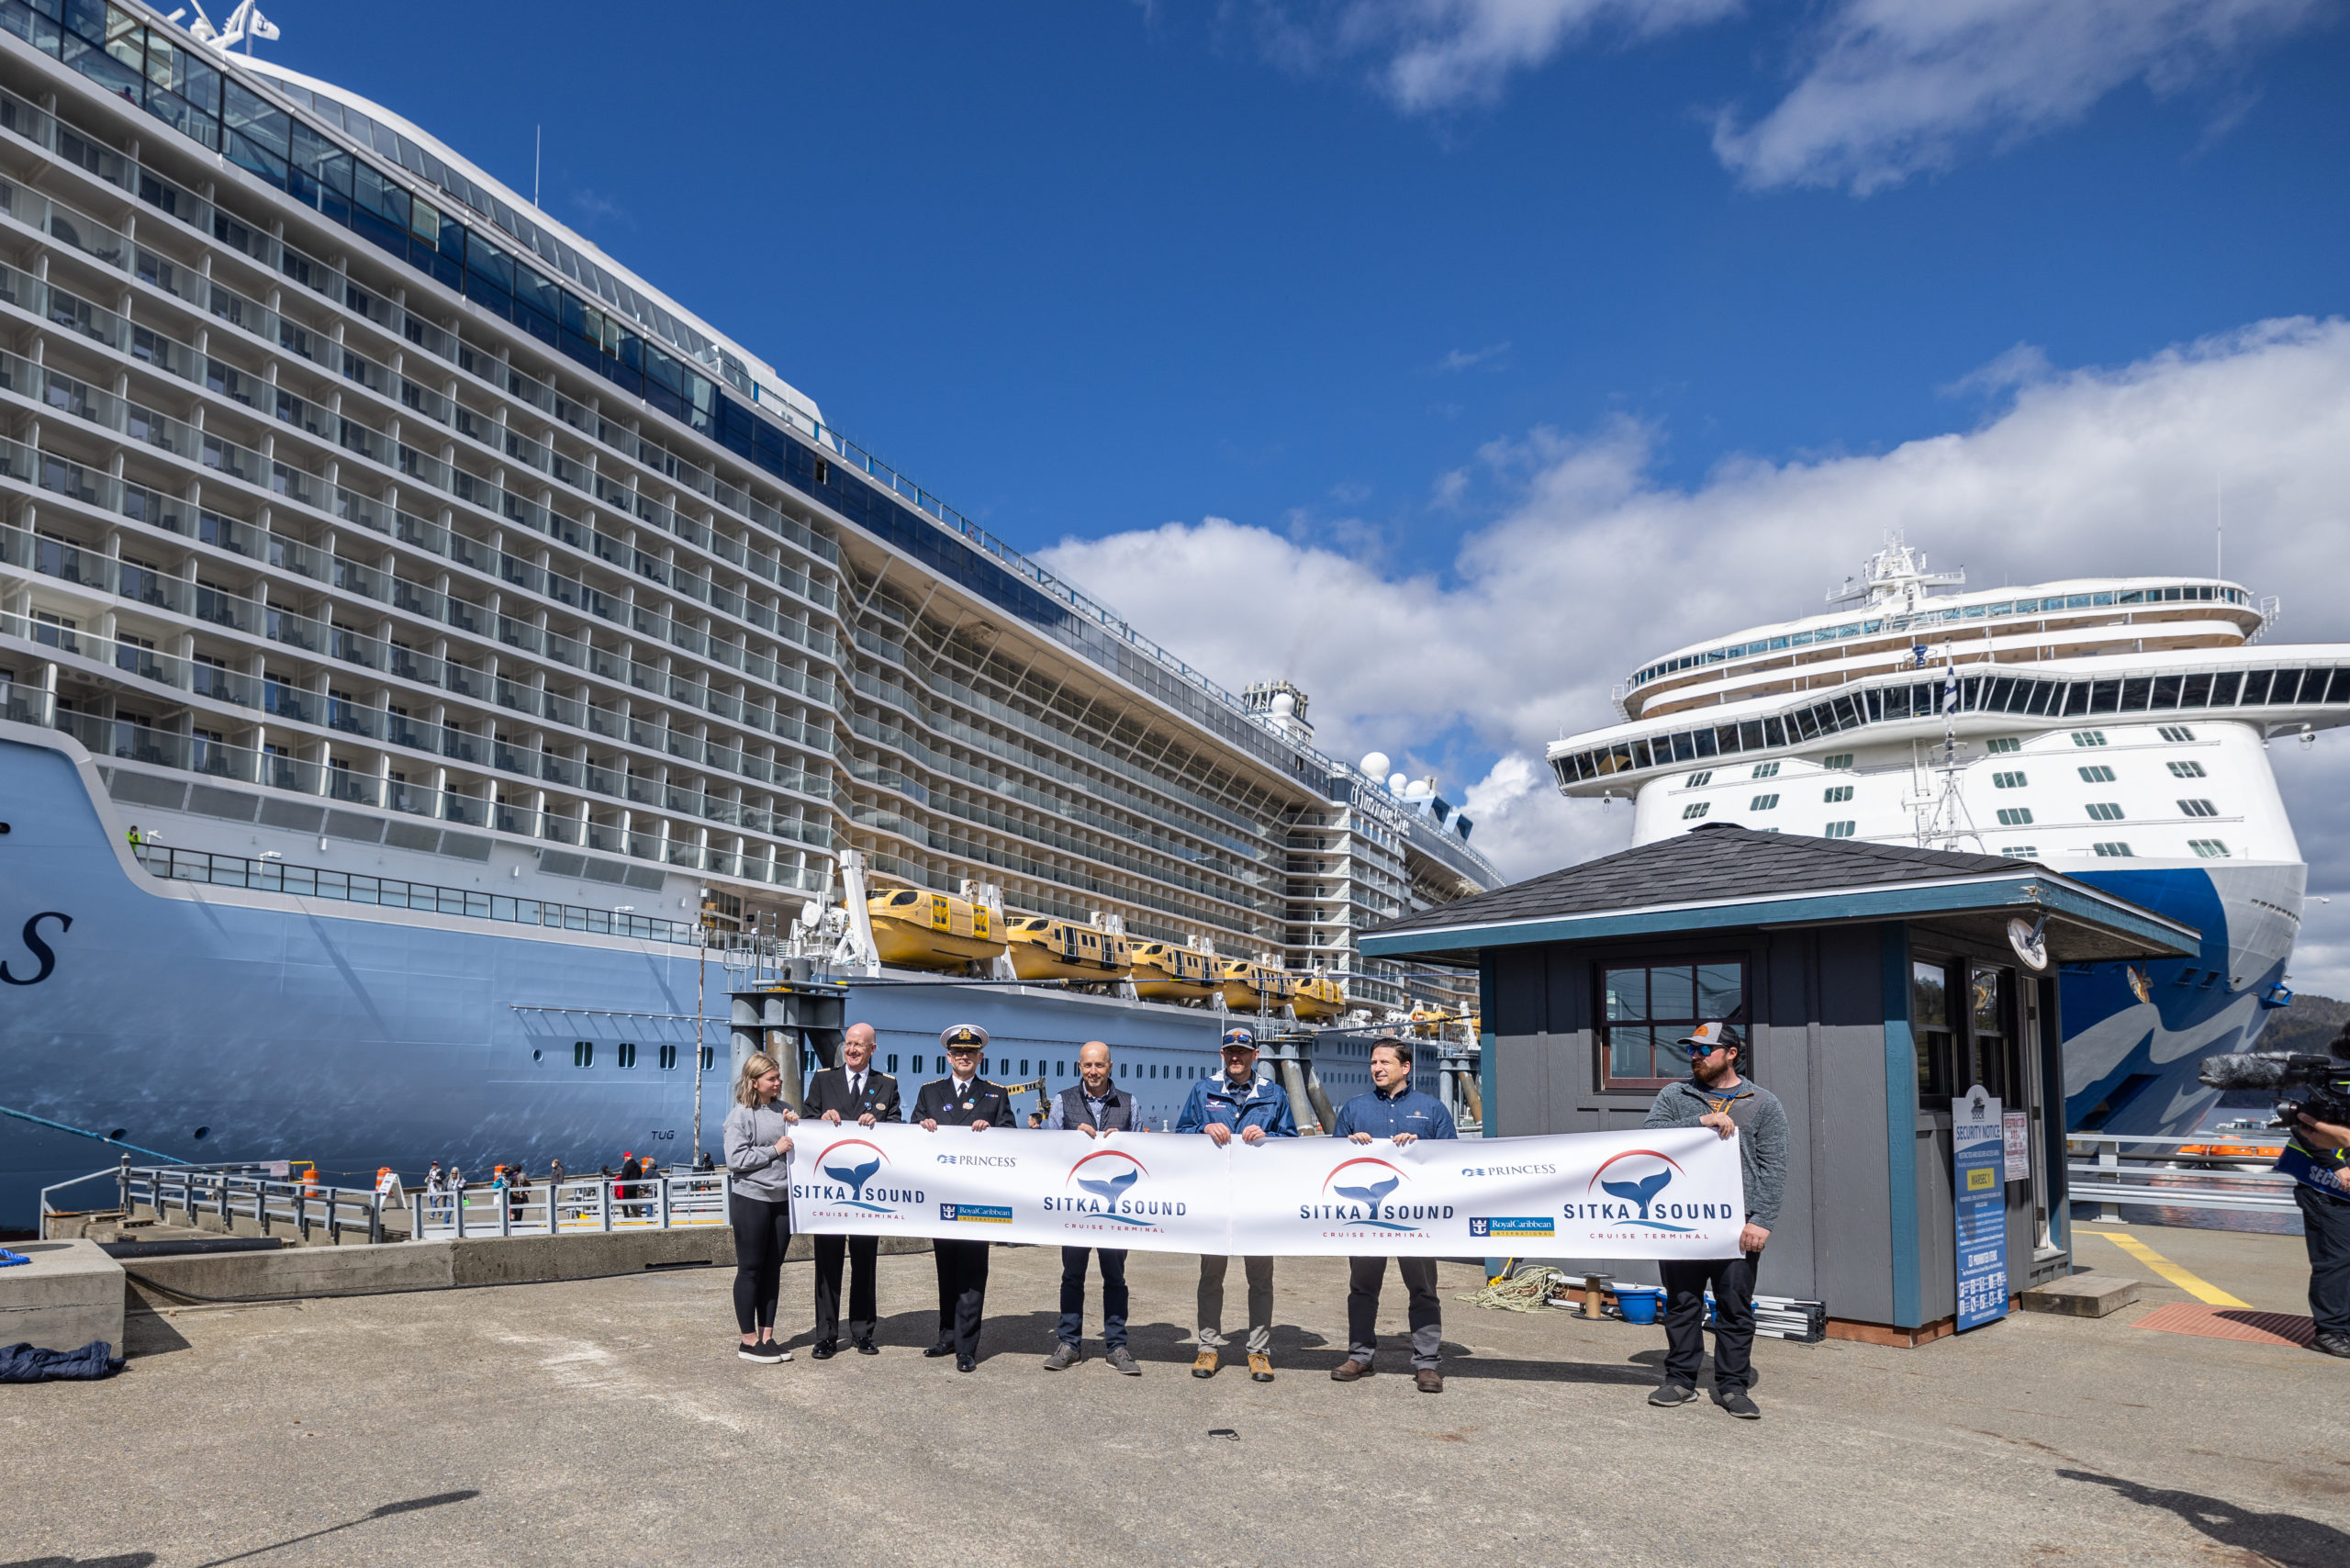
1166	972
1044	948
918	930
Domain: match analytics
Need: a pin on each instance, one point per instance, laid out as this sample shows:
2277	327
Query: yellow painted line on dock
2192	1283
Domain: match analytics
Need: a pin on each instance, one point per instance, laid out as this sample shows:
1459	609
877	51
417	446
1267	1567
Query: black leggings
761	1231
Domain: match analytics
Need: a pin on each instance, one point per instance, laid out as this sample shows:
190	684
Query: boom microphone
2265	1069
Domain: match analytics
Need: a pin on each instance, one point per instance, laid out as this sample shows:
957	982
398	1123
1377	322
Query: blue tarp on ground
24	1363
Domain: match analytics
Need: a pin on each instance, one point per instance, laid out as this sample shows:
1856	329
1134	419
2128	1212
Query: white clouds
1892	88
1493	355
1884	89
1593	566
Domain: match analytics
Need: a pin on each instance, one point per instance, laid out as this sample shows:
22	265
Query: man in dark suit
852	1091
961	1099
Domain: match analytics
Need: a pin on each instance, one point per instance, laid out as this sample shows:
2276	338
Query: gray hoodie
1762	1125
759	1171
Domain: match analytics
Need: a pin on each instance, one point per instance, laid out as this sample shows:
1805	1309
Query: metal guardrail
252	1192
2150	1172
594	1205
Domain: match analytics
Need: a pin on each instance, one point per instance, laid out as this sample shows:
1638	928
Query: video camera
2314	1086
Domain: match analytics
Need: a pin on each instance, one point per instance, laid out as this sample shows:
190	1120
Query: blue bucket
1639	1304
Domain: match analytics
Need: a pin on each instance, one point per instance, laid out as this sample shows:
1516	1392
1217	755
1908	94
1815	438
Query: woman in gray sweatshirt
758	1201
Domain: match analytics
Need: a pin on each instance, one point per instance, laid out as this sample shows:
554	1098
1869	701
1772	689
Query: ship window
1766	770
917	1065
1836	794
2199	808
892	1068
668	1059
2187	771
1647	1008
2105	811
2088	737
2015	816
583	1053
2113	850
2011	781
2020	851
1697	781
2209	848
2006	743
1840	830
1841	759
2099	774
628	1053
710	1056
1763	803
1694	809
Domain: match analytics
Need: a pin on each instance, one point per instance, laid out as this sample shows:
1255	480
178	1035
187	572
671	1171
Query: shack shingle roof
1718	861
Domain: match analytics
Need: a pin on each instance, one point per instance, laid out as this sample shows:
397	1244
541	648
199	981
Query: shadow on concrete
2282	1538
148	1333
127	1560
1655	1359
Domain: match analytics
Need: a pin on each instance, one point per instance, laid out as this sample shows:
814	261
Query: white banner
1651	1194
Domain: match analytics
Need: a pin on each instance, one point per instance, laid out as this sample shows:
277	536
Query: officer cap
1712	1036
964	1035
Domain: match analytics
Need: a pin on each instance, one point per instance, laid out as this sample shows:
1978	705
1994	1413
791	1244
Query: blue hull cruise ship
2115	728
426	647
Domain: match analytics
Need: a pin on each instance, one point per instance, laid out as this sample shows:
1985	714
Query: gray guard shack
1877	983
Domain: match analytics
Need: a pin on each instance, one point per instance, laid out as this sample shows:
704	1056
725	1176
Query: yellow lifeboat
1318	997
1044	948
919	930
1166	972
1251	987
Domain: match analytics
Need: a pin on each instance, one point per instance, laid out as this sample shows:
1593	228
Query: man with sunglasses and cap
961	1099
1714	1096
1237	1103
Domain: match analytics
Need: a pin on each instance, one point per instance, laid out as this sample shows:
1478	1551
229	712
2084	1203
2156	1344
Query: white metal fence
2225	1174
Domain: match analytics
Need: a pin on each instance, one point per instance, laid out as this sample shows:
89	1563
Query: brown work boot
1428	1379
1350	1371
1204	1364
1260	1368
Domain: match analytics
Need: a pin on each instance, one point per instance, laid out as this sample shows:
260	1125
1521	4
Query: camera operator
2318	1159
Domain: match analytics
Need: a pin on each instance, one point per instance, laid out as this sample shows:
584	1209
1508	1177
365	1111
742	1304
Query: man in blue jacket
1393	1110
1238	1104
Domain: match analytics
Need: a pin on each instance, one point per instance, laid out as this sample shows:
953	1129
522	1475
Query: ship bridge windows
2099	774
2187	771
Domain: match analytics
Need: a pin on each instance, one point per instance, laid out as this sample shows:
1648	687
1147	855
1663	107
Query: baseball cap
961	1035
1239	1040
1711	1035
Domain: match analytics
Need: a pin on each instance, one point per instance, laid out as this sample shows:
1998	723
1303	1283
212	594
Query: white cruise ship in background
2115	728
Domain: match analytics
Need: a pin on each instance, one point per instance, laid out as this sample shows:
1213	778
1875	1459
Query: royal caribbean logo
1361	1190
849	1169
976	1213
1637	1189
1512	1226
1105	1192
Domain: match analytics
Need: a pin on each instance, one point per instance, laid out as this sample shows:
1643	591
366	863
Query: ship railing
2222	1173
591	1205
270	1203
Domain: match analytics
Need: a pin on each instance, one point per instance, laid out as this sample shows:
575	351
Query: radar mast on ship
1895	576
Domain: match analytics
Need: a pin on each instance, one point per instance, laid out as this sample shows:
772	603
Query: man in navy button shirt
1392	1110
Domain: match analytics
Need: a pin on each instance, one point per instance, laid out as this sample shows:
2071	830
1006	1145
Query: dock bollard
1593	1287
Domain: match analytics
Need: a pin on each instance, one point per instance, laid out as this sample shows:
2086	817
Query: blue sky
1454	356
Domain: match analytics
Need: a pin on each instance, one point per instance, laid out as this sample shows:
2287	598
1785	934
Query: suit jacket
828	1091
988	1103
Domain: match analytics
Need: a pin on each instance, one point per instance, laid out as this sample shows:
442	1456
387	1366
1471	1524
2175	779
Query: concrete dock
608	1421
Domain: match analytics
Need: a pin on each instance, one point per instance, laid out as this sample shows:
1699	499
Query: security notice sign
1658	1193
1979	1194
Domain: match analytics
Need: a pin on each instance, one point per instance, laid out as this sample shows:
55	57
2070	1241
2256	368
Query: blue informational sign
1979	1161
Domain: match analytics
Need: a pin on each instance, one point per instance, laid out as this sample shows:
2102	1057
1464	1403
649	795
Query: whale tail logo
857	1176
1639	1192
1372	1194
1111	1188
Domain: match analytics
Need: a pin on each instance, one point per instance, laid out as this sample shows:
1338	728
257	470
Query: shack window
1929	1022
1645	1009
1992	1034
